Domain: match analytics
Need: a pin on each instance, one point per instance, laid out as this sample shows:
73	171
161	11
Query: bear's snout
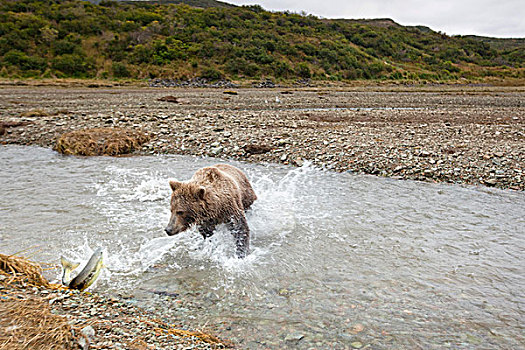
175	226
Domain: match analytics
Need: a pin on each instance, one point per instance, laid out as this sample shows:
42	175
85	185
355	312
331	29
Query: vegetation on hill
72	38
193	3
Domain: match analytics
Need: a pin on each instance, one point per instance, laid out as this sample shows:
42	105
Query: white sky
503	18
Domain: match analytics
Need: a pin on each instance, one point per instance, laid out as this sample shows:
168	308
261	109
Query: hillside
500	43
193	3
145	40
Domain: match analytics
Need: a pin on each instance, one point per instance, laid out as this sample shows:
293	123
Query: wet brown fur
214	195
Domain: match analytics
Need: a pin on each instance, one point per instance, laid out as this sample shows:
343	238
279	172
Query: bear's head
187	206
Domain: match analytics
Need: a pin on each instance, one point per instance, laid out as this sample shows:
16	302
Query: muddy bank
455	134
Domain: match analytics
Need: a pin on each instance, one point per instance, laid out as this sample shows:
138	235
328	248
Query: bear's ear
213	173
174	185
201	192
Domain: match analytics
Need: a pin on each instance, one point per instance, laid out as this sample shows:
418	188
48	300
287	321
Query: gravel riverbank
456	134
30	313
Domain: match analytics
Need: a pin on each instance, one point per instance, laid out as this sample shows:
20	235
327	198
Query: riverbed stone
294	337
356	345
88	331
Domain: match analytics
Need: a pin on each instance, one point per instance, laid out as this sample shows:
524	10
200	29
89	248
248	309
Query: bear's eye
179	212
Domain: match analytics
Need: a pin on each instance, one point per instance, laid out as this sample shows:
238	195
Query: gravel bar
450	133
111	322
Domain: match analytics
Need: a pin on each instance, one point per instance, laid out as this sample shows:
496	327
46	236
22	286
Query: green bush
70	44
120	70
240	66
72	65
24	61
282	69
212	74
303	70
117	49
395	75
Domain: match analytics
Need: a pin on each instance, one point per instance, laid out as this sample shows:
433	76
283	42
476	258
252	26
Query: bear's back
227	179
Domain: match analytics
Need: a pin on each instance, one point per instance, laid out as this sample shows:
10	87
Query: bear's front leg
206	230
241	234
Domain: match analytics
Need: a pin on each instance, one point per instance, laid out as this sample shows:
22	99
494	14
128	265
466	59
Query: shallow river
338	260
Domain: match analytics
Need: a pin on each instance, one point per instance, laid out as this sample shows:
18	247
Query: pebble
491	182
294	337
82	342
216	150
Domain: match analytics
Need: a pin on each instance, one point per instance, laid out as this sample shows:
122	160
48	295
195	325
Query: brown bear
214	195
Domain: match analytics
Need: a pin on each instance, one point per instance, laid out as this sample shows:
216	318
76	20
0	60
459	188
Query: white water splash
271	219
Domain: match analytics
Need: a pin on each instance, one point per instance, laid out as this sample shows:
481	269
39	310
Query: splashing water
271	219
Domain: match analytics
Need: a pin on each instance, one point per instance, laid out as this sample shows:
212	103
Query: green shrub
70	44
141	54
120	70
212	74
282	69
24	61
303	70
427	76
72	65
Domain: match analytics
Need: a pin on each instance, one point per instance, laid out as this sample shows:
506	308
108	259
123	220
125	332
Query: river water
338	260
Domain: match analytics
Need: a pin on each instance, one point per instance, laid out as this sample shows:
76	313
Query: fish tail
68	265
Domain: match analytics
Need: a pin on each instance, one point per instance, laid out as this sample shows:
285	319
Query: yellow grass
17	269
26	321
100	141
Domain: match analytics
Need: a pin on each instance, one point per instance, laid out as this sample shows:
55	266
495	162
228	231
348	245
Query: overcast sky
497	18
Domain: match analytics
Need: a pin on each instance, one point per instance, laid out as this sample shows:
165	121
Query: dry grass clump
202	337
17	269
100	141
199	336
29	324
174	99
26	321
12	124
35	113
